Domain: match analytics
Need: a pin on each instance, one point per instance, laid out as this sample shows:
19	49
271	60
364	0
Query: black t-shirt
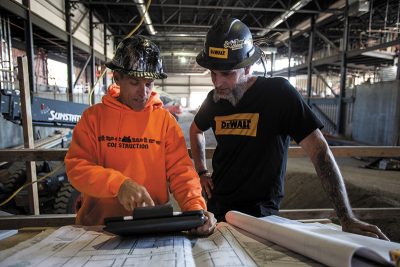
249	162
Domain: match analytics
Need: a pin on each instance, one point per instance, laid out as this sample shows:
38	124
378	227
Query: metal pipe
142	10
284	16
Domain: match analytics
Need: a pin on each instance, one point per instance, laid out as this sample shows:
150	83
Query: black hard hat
139	57
229	45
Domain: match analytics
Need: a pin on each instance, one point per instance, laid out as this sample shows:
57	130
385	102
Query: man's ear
117	77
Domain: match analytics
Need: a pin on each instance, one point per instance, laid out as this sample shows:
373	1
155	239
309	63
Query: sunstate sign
218	52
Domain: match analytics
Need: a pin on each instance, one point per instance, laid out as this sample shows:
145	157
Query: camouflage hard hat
229	45
138	57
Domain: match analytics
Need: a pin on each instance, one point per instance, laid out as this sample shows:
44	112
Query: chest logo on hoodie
128	142
237	124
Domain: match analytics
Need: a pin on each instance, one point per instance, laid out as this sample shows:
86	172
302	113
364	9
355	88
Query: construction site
341	56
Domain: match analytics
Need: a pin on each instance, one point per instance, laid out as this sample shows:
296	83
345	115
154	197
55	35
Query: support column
93	59
190	92
30	54
70	55
343	73
272	63
105	54
290	54
309	60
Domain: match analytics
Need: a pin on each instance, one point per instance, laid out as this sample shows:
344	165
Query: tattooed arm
328	171
198	148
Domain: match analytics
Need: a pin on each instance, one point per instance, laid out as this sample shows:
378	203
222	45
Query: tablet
150	222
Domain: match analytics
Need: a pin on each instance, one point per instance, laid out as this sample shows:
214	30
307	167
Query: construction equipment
45	112
56	195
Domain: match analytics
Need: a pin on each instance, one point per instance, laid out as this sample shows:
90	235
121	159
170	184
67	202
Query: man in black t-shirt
253	119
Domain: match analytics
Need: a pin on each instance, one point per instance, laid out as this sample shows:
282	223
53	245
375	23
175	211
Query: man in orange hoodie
127	150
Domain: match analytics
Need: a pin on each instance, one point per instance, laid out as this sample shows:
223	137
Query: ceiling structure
179	28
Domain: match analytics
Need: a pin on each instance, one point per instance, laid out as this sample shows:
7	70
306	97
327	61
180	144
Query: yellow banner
237	124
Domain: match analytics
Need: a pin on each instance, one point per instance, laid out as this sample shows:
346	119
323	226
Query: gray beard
235	95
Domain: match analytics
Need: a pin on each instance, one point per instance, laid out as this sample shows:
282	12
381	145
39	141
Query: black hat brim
136	74
203	60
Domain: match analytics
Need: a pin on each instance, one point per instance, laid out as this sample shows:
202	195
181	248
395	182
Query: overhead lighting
183	60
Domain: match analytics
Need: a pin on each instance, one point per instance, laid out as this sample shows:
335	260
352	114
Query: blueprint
79	246
322	243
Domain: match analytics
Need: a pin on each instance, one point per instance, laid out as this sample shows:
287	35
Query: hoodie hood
111	100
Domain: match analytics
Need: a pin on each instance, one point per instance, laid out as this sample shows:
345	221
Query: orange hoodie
112	143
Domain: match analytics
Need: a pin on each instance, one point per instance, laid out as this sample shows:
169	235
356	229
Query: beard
234	95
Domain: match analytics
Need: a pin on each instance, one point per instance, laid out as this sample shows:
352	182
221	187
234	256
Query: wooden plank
27	128
33	154
294	152
57	220
361	213
45	220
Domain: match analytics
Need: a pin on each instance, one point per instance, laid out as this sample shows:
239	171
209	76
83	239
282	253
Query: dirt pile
303	190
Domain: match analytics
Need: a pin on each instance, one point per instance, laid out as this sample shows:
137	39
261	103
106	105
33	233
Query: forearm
198	148
325	165
332	182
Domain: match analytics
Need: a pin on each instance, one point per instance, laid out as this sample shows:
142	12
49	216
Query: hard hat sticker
237	43
218	52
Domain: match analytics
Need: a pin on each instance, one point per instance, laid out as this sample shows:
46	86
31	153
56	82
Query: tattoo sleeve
198	149
332	181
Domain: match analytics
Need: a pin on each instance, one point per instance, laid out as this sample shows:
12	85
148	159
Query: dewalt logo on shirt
237	124
218	52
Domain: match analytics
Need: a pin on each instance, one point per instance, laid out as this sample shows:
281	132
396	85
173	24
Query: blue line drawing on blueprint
79	246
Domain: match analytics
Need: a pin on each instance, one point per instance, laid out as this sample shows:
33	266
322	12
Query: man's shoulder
271	86
277	81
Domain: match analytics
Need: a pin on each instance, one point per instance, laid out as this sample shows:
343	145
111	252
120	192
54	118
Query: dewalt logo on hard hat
218	52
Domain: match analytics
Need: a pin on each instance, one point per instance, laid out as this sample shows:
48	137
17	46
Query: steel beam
214	7
343	73
30	54
92	59
309	59
70	50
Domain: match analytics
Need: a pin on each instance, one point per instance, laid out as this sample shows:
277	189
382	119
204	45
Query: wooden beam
294	152
47	220
27	129
32	154
57	220
361	213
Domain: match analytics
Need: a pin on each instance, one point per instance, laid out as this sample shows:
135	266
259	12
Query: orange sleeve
183	178
82	167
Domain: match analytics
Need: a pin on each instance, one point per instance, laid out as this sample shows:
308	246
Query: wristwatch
200	173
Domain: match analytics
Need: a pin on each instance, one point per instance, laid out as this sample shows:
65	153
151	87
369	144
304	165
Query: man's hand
132	195
208	227
207	184
356	226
